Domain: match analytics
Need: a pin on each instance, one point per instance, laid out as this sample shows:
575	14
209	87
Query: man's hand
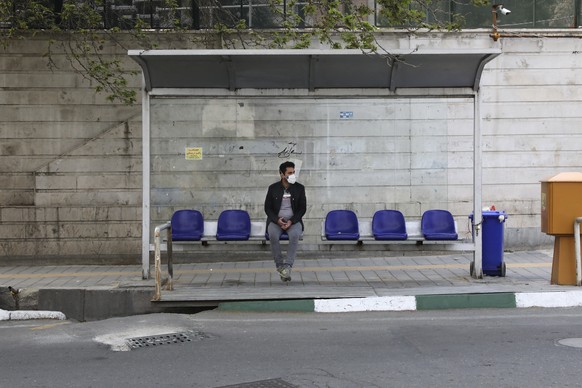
284	224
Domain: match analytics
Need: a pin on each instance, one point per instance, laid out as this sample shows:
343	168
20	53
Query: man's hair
285	165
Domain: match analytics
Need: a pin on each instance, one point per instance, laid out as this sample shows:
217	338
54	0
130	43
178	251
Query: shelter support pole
145	224
477	189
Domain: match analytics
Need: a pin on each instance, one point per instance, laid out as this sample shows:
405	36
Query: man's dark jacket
275	197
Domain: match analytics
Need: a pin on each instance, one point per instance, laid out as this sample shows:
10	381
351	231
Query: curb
21	315
414	303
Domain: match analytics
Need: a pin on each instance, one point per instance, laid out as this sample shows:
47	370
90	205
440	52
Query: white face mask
292	179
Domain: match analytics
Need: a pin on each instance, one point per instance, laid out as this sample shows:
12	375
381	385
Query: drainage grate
164	339
271	383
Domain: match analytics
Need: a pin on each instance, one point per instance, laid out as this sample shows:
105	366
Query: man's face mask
291	179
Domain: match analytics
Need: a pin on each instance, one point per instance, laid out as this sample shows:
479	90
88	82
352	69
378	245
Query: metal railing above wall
204	14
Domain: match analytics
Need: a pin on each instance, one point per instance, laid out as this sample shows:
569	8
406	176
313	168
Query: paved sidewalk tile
526	270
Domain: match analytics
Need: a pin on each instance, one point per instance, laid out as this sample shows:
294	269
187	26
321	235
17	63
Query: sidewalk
326	285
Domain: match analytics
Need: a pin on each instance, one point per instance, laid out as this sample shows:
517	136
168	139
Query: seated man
285	206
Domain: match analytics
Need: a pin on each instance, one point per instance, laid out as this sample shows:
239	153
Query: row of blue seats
390	225
232	225
235	225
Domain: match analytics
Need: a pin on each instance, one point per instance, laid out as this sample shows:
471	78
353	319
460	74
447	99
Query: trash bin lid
493	213
490	213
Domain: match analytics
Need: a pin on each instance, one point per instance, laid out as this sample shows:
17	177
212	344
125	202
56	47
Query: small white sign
346	115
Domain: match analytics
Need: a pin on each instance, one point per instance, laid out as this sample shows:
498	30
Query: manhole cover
271	383
164	339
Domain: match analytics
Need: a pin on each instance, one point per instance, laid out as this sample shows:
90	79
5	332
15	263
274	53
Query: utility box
561	203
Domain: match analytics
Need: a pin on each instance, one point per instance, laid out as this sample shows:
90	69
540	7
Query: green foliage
83	25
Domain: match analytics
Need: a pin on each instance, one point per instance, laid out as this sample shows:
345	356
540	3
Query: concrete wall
411	154
70	161
532	129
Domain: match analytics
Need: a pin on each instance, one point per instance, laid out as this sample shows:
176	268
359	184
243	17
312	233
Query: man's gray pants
294	233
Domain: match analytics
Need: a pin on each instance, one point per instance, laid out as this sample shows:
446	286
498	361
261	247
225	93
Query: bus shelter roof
312	69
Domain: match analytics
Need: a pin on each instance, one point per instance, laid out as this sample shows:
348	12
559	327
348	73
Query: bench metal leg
157	265
158	258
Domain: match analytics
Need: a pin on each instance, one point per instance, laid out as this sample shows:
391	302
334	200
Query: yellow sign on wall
193	153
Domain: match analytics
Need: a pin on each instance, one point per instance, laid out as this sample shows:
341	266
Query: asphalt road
454	348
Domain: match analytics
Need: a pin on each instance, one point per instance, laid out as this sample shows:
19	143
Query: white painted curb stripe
4	315
382	303
548	299
21	315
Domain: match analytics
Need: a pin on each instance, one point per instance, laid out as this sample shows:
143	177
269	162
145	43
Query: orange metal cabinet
561	203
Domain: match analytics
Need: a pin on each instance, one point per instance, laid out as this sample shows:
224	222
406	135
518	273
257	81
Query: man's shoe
285	273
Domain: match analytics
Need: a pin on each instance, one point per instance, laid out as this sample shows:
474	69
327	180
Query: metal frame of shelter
402	73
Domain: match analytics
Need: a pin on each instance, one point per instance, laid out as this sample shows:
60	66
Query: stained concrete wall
70	161
531	125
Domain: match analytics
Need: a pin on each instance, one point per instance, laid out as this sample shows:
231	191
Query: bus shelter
181	86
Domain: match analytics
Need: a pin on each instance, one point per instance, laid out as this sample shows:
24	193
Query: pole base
564	261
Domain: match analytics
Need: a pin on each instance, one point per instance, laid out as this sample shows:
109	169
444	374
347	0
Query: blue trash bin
492	238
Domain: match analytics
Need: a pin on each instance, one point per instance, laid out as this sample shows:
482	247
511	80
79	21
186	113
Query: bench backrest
413	231
258	229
